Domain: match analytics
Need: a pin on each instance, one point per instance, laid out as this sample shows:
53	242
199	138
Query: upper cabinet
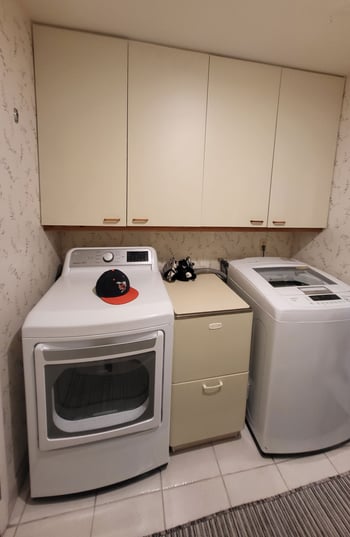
306	135
134	134
81	90
270	145
166	129
241	123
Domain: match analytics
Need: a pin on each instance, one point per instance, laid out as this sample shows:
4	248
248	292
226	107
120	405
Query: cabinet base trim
234	436
47	227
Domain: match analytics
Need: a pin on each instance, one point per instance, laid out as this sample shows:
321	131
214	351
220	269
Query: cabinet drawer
207	408
205	347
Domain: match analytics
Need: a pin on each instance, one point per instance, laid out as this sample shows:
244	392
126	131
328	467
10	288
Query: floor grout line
56	515
331	462
93	515
280	473
163	501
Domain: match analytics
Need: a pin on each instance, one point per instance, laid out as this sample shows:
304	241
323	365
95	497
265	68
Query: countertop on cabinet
206	295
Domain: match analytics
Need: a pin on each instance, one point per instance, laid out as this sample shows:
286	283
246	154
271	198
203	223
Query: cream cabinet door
201	352
81	90
166	128
306	136
207	408
241	122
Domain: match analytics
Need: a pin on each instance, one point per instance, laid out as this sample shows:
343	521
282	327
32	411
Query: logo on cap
113	287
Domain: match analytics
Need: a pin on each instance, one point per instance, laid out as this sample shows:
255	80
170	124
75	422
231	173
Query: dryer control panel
104	257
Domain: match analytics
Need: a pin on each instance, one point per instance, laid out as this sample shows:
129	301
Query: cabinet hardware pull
279	222
214	326
257	222
210	389
139	220
111	220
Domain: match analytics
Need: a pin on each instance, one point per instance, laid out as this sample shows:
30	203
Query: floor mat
315	510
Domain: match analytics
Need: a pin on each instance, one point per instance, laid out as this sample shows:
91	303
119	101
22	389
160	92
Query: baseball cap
113	287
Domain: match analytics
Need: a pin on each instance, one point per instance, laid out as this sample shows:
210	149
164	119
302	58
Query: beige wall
330	250
27	255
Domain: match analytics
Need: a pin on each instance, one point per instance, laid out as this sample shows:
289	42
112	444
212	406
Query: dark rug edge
262	501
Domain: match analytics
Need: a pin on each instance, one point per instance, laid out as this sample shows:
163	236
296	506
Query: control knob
108	257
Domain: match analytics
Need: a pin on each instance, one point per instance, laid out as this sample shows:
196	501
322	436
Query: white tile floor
195	483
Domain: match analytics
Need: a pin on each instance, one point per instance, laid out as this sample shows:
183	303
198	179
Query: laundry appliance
299	380
97	351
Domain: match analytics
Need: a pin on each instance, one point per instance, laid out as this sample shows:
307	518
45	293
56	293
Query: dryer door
90	391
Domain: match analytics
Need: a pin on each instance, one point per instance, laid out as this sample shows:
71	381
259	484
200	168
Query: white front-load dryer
299	396
97	371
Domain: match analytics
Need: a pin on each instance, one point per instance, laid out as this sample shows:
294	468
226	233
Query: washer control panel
320	296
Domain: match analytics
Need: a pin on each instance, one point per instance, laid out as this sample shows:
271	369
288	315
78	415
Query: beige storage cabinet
81	93
265	121
135	134
240	137
306	136
211	358
166	129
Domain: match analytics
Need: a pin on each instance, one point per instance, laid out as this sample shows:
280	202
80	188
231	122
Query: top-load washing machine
299	387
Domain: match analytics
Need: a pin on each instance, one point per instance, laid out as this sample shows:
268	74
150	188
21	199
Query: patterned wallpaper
330	250
27	255
204	247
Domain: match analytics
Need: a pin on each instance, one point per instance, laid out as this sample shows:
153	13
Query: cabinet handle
279	222
139	220
211	389
214	326
110	221
257	222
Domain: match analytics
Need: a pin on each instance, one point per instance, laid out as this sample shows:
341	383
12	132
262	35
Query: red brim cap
122	299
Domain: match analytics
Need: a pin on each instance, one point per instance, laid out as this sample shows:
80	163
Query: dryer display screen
137	257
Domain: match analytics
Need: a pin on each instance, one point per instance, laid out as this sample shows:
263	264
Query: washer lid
292	276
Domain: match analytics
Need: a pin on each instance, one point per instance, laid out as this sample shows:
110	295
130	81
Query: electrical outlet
262	244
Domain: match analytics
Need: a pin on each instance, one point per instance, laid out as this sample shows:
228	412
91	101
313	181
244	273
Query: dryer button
108	257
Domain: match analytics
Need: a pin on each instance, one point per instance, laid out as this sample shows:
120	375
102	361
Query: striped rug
315	510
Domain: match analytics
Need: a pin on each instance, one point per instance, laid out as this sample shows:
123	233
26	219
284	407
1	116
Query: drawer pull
257	222
214	326
139	220
279	222
110	221
211	389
